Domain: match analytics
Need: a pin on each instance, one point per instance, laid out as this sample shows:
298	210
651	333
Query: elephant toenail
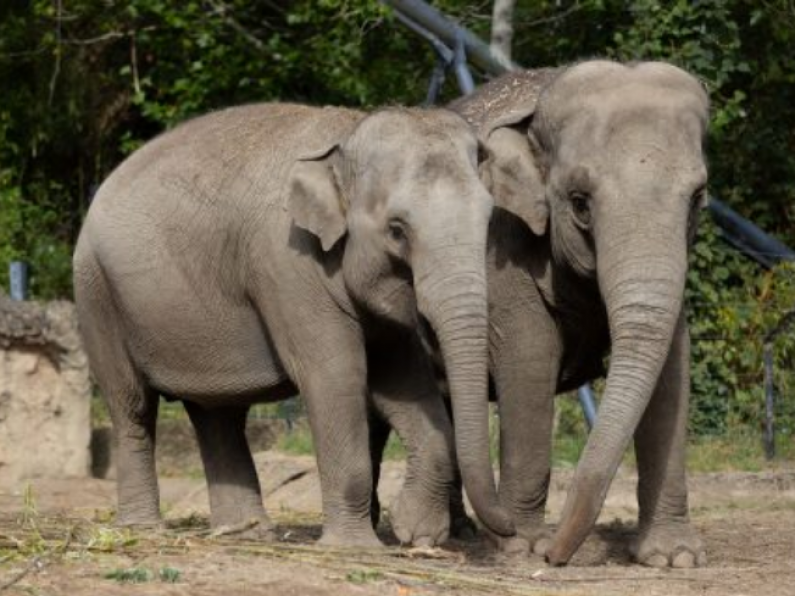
657	560
684	560
542	546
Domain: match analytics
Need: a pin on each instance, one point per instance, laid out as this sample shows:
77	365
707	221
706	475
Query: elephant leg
132	405
134	414
379	435
525	363
404	392
232	482
133	410
665	535
335	392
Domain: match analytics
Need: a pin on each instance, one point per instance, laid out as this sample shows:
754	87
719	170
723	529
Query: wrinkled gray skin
269	249
610	162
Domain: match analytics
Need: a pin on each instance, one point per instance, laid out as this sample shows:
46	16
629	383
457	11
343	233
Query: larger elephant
598	180
268	249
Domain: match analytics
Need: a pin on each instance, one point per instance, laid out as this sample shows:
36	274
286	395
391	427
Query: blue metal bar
431	19
770	400
464	77
747	237
18	277
445	59
588	404
444	52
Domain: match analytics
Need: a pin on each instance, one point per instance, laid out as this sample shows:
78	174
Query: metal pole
588	404
18	277
462	74
430	18
747	237
770	428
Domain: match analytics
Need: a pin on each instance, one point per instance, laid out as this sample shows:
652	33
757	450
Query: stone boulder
45	393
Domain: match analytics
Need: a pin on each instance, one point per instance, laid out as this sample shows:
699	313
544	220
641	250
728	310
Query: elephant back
507	99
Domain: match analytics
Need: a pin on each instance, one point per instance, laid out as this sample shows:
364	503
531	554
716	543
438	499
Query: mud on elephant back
271	249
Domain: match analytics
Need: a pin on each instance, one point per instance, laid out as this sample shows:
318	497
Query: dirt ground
55	539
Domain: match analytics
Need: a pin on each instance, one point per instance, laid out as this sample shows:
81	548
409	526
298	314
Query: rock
45	393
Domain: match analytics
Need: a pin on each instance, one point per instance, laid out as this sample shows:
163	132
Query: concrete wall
45	393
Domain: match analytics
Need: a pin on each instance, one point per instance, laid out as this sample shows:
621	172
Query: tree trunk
502	29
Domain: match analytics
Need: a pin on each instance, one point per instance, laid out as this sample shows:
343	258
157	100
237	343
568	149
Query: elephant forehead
421	176
409	130
653	126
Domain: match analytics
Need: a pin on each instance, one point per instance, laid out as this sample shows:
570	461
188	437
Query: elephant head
610	164
401	195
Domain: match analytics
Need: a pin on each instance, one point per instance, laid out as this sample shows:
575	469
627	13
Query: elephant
598	177
272	249
592	255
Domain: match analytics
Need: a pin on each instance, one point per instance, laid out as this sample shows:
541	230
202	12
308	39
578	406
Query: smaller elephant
271	249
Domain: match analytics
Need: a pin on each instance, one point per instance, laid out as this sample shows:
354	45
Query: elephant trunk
642	281
454	301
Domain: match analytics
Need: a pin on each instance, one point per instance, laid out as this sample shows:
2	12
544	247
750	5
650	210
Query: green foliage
737	450
109	539
133	575
96	80
142	575
364	576
298	441
169	575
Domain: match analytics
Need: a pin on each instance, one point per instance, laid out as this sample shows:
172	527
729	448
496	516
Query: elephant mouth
428	336
402	271
430	342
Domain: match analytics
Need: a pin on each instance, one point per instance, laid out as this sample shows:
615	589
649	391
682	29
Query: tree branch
58	49
222	10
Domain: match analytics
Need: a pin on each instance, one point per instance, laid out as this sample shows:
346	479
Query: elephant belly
186	322
206	355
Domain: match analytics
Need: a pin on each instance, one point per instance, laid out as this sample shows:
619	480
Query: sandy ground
66	546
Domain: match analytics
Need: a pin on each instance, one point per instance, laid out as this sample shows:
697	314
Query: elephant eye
397	230
581	207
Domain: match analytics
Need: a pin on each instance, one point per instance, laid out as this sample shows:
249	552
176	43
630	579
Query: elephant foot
419	521
138	519
346	539
135	526
259	529
669	545
246	521
535	539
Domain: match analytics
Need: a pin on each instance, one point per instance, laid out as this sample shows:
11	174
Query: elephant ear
315	198
502	111
514	175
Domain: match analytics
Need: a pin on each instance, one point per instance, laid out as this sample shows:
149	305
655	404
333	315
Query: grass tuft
133	575
364	576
